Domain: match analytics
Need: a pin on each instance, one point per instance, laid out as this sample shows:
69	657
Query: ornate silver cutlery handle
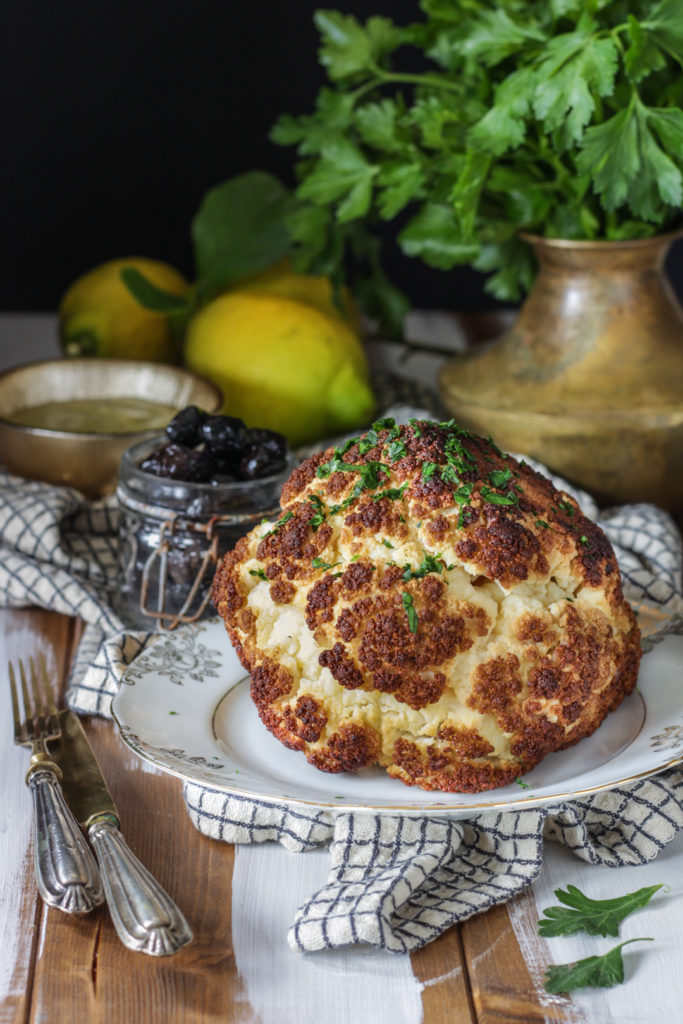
144	915
66	871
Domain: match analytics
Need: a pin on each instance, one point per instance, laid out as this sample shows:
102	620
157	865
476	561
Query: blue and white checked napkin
394	882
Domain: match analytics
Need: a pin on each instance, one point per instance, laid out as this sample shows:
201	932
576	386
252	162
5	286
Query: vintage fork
66	870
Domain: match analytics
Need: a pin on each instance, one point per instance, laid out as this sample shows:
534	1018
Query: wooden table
55	968
60	968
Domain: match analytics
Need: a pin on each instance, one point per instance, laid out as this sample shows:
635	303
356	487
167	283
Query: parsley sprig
561	118
596	917
592	972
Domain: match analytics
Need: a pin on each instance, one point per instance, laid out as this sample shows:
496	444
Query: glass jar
172	534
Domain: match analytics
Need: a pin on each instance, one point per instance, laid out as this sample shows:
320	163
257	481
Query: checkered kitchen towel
394	882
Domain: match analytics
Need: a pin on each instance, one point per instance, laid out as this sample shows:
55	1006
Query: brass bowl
89	462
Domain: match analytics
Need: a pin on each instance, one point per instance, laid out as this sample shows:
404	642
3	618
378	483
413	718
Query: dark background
117	117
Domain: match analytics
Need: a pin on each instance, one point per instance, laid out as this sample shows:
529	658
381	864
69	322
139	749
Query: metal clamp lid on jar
170	525
185	508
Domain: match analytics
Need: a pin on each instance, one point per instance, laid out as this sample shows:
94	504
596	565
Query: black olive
186	426
224	436
273	442
255	462
176	462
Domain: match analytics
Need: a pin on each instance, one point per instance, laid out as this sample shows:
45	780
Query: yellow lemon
280	279
282	364
99	317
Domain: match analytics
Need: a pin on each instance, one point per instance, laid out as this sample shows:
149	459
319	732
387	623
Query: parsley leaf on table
592	972
596	917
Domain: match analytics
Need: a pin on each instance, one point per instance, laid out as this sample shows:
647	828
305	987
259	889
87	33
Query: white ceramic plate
184	706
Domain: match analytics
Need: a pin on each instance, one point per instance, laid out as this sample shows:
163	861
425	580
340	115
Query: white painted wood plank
335	986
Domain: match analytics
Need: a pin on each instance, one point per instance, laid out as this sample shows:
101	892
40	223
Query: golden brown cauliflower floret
429	604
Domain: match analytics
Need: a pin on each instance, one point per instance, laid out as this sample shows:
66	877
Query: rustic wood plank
503	989
22	633
84	972
441	970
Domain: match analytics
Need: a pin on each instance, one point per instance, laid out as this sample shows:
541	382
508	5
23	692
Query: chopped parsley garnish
449	474
260	573
280	523
369	441
498	499
542	522
495	447
458	457
463	494
451	425
341	451
354	558
344	505
411	614
387	543
397	450
569	509
369	472
522	784
430	563
583	539
318	518
428	470
414	423
500	477
392	493
386	421
320	563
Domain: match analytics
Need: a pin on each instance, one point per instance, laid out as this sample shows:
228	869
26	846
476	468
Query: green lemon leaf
150	296
593	972
240	229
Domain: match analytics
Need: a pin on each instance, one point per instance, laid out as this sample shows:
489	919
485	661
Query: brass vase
589	379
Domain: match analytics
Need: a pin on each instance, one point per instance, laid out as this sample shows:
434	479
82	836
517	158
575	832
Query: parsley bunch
559	117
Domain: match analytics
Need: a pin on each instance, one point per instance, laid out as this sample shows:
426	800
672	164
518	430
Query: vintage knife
144	915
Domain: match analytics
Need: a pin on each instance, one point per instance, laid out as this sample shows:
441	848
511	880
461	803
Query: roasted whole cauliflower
429	604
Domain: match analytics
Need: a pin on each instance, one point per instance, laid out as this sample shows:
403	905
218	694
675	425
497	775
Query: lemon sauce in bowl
115	415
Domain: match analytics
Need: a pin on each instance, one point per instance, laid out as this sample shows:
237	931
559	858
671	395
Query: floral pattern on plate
178	658
190	714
